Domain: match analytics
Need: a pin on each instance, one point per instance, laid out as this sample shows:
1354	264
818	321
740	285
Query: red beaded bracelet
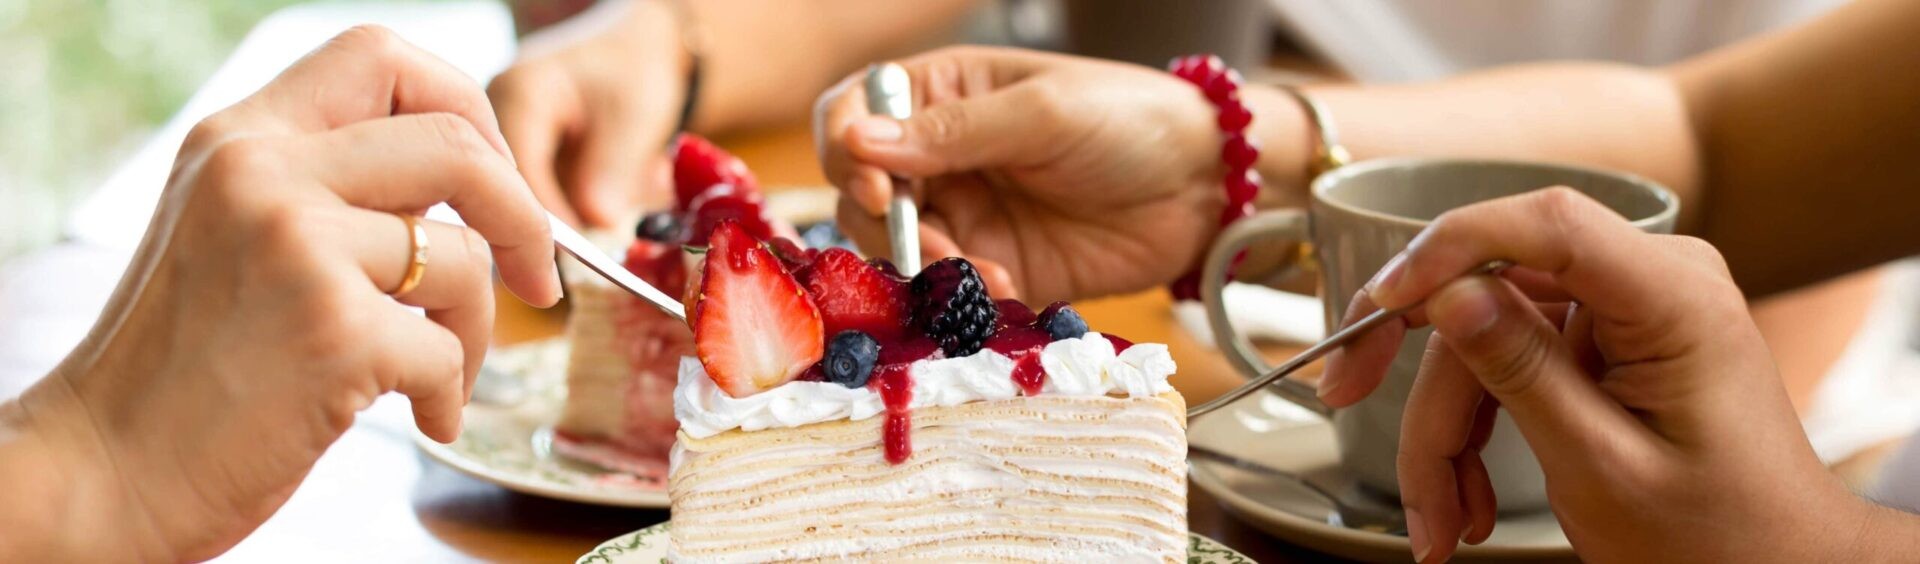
1222	87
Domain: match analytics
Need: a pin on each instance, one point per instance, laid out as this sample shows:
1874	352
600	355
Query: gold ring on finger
416	256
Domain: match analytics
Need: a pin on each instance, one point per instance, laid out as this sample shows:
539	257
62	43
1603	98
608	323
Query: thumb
1521	358
997	129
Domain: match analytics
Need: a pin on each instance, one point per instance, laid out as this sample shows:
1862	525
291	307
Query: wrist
1285	132
63	491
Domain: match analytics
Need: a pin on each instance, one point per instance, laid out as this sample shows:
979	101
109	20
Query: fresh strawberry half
853	294
753	327
698	165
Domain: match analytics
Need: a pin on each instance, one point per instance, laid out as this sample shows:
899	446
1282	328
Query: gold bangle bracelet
1328	153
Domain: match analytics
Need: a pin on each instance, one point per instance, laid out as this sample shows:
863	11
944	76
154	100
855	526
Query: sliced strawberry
657	263
725	203
753	327
854	295
698	165
696	280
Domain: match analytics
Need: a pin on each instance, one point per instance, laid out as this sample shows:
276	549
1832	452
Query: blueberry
658	226
850	358
1062	322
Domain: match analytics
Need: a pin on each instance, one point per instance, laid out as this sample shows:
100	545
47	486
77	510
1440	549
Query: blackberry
1061	322
951	305
658	226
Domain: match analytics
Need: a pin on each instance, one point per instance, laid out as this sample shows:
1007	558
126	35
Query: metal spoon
1336	340
890	93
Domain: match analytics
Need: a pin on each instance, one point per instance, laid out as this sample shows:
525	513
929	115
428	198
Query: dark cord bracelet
693	41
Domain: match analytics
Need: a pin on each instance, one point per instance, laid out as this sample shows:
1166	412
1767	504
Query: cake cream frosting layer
1048	478
1083	367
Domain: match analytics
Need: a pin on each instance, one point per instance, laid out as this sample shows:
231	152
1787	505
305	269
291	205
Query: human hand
1631	366
589	107
1073	177
254	321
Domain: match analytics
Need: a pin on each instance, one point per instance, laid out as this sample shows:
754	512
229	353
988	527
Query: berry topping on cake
723	204
1061	321
698	166
1013	314
952	306
1119	345
1029	374
853	295
792	255
658	226
657	263
1017	341
908	350
886	266
851	356
753	327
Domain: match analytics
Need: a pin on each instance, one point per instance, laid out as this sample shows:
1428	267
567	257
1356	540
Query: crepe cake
625	354
835	410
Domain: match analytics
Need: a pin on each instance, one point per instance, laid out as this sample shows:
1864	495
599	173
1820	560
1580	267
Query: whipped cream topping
1086	366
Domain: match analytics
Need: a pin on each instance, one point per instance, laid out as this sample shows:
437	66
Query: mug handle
1284	223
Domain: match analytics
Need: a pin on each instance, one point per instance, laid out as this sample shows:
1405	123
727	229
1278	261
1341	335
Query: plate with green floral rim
507	434
649	546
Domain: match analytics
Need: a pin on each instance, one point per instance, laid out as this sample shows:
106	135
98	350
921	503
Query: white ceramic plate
508	435
649	546
1266	429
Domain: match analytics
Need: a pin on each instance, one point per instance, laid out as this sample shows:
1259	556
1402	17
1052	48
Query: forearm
59	496
764	62
1592	114
1807	140
1609	116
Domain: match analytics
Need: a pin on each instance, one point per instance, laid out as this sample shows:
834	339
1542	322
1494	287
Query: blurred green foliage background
82	82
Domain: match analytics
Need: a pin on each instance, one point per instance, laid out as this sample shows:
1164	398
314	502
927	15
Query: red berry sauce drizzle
896	390
895	382
1028	373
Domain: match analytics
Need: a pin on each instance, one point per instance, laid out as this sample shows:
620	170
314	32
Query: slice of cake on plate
838	411
625	354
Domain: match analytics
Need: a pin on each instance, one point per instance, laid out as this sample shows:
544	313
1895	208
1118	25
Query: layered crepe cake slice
625	354
936	425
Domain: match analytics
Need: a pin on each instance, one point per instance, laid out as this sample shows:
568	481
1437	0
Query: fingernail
1464	308
559	289
1388	277
1417	535
879	129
